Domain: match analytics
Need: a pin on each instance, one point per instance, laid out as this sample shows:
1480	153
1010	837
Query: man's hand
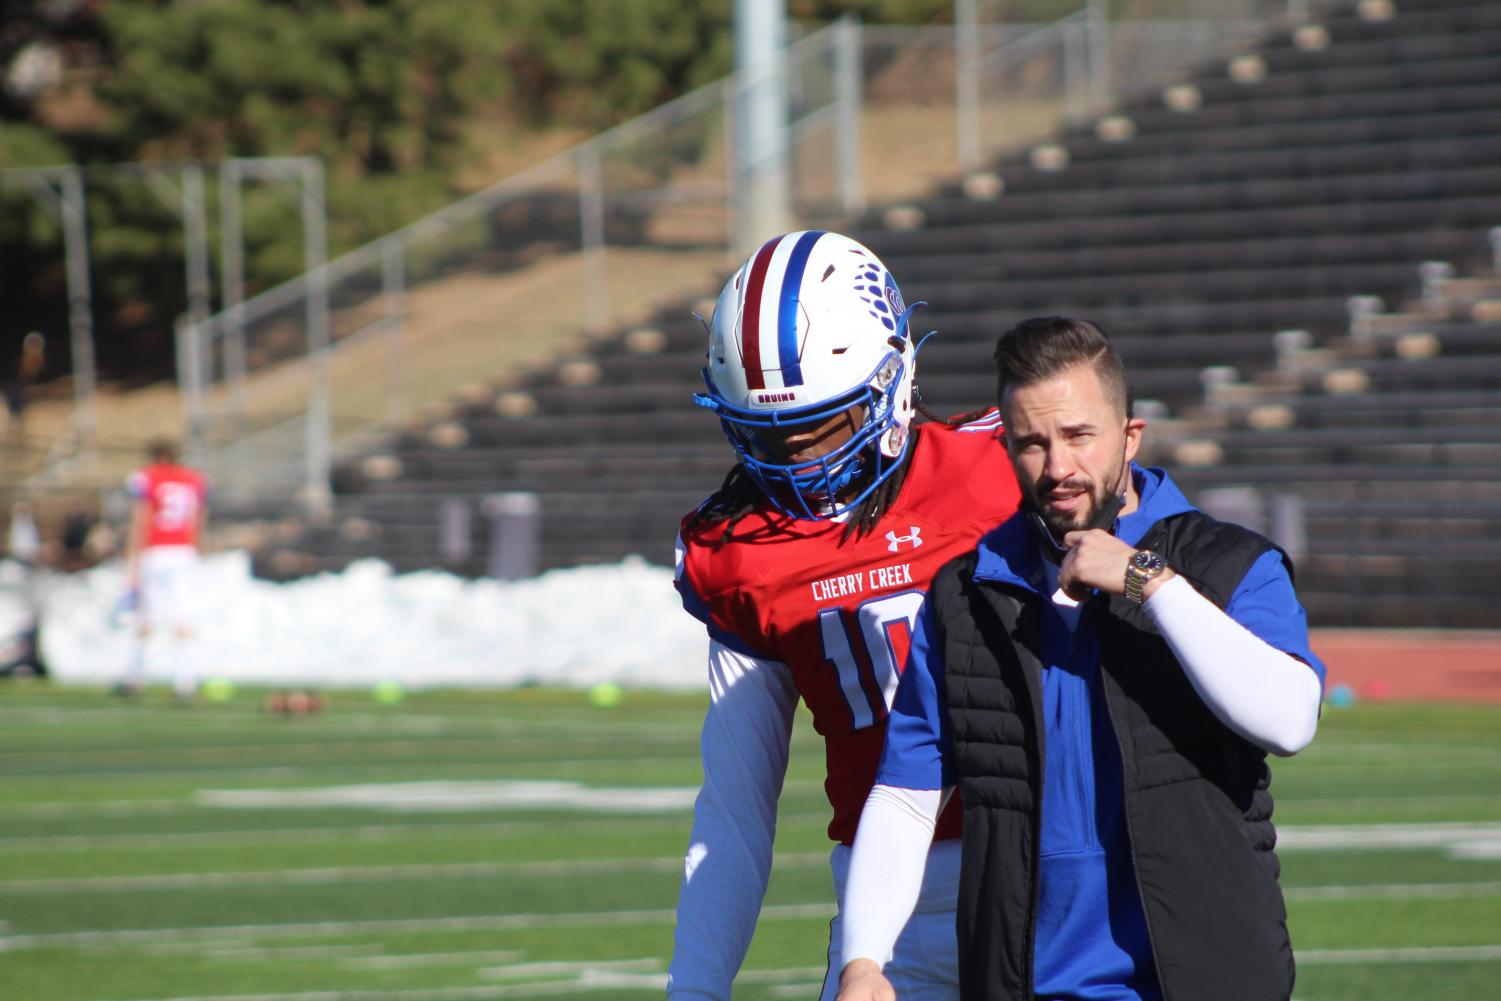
862	980
1097	560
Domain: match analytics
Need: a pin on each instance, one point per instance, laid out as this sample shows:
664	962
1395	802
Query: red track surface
1416	665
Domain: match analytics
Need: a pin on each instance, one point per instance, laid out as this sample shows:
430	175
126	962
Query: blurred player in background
809	566
161	558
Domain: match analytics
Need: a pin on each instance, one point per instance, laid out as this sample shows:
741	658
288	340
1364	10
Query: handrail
705	96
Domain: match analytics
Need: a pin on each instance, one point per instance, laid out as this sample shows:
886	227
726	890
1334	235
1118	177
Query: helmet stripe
750	324
792	282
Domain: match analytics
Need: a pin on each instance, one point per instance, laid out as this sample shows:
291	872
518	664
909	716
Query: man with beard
1102	679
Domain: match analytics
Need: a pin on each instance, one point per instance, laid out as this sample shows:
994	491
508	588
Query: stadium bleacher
1259	195
1390	439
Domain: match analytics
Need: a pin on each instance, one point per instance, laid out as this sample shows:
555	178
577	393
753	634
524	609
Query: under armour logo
896	540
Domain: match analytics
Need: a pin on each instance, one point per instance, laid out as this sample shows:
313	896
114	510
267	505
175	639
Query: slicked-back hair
1044	347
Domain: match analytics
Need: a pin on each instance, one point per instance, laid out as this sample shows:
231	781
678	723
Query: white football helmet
811	325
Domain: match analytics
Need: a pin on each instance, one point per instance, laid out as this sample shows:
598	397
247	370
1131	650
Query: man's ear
1134	427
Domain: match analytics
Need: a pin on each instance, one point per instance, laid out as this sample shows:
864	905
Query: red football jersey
840	612
175	496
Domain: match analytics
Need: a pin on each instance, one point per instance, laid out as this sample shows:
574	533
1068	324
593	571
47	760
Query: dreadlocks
736	497
739	495
864	517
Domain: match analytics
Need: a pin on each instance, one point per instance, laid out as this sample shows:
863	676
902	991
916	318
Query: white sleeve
1268	697
886	868
745	744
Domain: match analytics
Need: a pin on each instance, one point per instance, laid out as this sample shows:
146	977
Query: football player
170	504
808	567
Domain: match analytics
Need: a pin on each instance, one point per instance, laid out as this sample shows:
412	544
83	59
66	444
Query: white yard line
281	835
162	807
1418	954
580	978
575	969
1484	849
1475	840
566	767
1394	891
340	717
448	796
17	716
1376	802
398	960
365	832
365	873
108	808
1341	837
480	737
583	867
479	922
1426	751
1478	840
572	986
344	953
133	807
228	933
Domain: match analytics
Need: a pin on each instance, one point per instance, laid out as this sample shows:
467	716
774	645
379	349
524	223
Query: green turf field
151	851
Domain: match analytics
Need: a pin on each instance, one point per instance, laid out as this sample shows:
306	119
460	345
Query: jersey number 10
870	667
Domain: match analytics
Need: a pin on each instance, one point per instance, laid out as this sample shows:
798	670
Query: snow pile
621	623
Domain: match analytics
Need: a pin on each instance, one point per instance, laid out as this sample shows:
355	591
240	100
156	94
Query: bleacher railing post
80	308
319	492
732	213
763	184
1075	71
394	296
967	84
592	235
848	103
190	377
1100	84
195	236
232	288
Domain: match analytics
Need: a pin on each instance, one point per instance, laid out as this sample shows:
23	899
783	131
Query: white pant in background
169	587
168	605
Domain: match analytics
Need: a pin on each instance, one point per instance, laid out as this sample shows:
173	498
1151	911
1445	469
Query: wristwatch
1144	565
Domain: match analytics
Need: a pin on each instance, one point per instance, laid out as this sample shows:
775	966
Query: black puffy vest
1197	806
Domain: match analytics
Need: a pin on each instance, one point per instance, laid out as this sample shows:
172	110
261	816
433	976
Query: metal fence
277	387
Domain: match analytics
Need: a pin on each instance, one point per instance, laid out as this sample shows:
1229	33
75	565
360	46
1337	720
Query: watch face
1147	561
